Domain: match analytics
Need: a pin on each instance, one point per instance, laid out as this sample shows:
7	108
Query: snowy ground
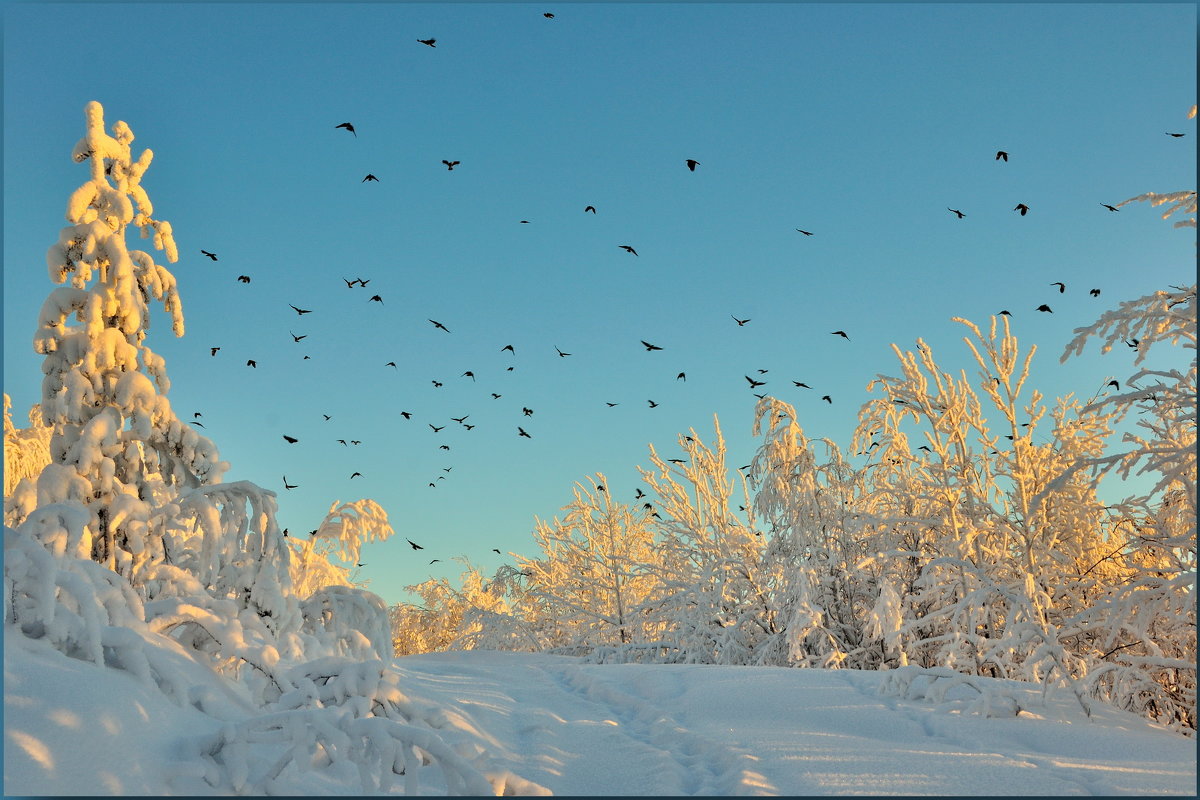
569	728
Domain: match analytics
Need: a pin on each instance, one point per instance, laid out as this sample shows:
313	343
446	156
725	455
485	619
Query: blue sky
861	123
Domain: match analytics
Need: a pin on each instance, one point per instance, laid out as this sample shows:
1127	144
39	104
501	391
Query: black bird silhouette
509	348
354	475
806	233
1110	208
561	354
342	442
1062	287
740	322
956	211
691	164
376	299
437	384
460	420
437	324
290	439
443	447
649	346
450	164
611	405
681	377
1046	308
495	396
589	208
1176	135
627	248
406	414
298	338
1024	209
348	127
391	364
1094	292
429	42
1005	313
547	15
301	310
361	282
327	417
213	256
213	350
355	441
841	334
652	404
527	411
521	432
435	428
349	284
801	385
198	424
827	399
287	485
414	545
468	374
524	222
1000	154
753	383
252	363
369	177
244	278
1113	384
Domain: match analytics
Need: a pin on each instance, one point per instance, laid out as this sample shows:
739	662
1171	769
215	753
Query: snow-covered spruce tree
1142	633
135	555
713	599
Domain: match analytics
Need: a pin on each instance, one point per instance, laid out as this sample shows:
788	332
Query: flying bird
1110	208
369	177
406	414
1046	308
801	385
627	248
806	233
437	384
355	441
287	485
561	354
327	417
244	278
1062	287
527	411
524	222
495	396
342	442
213	256
611	405
1005	313
461	421
589	208
349	284
956	211
354	475
301	310
1094	292
1113	384
213	350
252	363
429	42
414	545
290	439
468	374
652	404
1024	209
391	364
376	299
1176	135
298	338
753	383
649	346
841	334
740	322
509	348
437	324
827	399
1001	155
691	164
547	15
450	164
521	432
348	127
681	377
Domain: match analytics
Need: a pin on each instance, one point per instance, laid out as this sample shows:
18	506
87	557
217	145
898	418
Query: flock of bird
755	382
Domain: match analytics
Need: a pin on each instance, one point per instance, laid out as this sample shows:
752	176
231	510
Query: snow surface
563	726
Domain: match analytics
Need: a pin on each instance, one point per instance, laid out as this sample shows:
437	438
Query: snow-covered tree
26	453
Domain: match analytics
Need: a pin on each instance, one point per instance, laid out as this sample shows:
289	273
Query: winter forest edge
961	545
